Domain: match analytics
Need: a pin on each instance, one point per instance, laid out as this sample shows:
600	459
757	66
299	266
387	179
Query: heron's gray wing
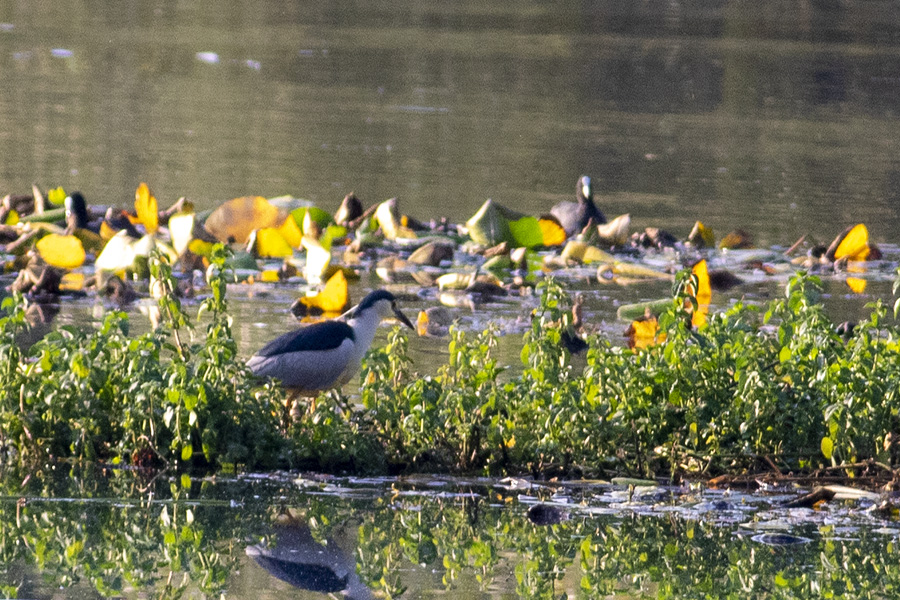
307	370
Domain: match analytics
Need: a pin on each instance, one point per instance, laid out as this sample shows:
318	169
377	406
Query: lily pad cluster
58	243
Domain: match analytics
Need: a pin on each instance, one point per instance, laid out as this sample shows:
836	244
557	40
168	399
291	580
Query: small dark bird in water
546	514
575	216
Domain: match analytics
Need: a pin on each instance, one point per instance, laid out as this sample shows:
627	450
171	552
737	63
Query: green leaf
785	354
526	232
187	452
827	447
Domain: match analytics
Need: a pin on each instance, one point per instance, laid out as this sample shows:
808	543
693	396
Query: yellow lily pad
147	208
271	244
235	220
853	244
334	297
291	232
552	232
63	251
857	284
56	196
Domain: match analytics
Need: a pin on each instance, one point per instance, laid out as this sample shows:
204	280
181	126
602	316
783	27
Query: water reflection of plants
177	538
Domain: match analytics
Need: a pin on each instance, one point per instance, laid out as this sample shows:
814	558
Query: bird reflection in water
295	557
40	317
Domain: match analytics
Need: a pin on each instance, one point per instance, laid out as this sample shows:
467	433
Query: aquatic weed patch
776	384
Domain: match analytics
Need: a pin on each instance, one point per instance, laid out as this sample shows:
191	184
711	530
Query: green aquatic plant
168	396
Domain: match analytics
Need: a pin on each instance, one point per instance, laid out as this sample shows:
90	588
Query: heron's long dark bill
403	318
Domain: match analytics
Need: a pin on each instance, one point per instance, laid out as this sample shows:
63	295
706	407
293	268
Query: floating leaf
235	220
56	196
331	233
827	447
856	284
615	233
63	251
552	232
526	232
490	225
181	230
493	224
585	253
702	236
317	259
736	240
269	243
147	208
389	221
852	244
334	298
291	232
72	282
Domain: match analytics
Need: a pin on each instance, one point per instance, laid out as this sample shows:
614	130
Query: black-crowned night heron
326	355
575	216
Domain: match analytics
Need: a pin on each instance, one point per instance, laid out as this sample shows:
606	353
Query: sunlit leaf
235	220
854	244
334	297
63	251
389	221
490	224
317	259
147	208
784	354
642	333
72	282
12	217
187	451
552	232
310	218
201	247
827	447
107	232
703	293
585	253
291	232
702	236
269	276
270	243
181	230
331	233
56	196
615	233
526	232
858	285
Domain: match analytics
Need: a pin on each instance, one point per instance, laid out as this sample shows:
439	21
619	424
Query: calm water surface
776	117
279	536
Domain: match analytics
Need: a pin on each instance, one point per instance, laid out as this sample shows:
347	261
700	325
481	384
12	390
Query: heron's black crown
373	297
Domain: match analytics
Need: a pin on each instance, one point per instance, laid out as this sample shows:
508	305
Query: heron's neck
364	328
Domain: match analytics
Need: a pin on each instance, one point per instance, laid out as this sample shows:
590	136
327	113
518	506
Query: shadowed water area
777	117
